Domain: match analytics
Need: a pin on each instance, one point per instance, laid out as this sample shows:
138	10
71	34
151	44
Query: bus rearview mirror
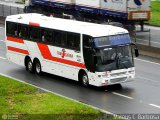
136	52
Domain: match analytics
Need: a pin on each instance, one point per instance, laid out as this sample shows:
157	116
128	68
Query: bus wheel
84	80
37	67
29	65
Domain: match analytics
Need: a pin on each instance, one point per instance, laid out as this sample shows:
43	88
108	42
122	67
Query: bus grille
118	80
118	74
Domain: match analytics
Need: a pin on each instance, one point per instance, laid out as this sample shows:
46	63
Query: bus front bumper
115	77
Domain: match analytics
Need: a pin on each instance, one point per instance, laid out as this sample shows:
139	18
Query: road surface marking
154	105
147	61
3	58
122	95
107	112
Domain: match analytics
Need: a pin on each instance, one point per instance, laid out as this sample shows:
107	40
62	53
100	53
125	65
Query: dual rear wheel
33	67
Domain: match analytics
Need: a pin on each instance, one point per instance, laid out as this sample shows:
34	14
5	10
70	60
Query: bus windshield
113	52
113	58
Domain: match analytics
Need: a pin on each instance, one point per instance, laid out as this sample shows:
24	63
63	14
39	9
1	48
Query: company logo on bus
63	54
139	2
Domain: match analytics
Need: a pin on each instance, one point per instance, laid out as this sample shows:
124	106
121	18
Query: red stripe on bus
15	39
17	50
34	24
47	55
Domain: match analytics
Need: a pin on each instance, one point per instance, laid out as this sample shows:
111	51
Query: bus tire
84	80
29	65
37	67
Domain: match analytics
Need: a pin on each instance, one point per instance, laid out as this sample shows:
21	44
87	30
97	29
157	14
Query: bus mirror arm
136	52
135	49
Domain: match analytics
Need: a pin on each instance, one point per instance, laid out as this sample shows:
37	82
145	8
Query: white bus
92	54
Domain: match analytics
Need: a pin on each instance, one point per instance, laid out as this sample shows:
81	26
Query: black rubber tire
29	65
37	67
84	80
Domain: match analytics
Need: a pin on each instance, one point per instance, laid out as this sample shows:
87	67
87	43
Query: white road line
155	105
3	58
107	112
122	95
147	61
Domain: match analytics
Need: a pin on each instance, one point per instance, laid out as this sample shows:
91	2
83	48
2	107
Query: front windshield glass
113	52
113	58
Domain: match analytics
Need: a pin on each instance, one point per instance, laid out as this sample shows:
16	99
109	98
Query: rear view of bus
92	54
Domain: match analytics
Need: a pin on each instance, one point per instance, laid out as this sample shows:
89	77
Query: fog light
99	75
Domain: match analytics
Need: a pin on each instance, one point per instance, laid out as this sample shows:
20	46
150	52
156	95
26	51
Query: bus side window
57	37
86	41
34	33
70	40
48	36
24	31
42	36
19	31
12	29
73	41
77	41
64	39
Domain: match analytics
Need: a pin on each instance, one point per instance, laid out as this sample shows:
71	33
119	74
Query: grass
20	1
155	16
25	102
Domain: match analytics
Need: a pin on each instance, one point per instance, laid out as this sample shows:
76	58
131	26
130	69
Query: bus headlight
105	74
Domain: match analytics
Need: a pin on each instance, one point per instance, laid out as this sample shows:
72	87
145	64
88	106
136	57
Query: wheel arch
36	59
81	72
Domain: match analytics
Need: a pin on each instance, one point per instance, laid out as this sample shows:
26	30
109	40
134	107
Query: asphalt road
139	96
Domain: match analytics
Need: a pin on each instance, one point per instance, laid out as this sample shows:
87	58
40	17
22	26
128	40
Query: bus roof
91	29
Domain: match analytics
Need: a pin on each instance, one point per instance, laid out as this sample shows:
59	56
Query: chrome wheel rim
85	80
38	68
30	66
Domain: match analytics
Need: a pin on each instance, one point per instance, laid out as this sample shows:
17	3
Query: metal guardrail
147	33
9	10
145	37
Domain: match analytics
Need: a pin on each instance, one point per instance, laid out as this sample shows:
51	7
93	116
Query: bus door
88	54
